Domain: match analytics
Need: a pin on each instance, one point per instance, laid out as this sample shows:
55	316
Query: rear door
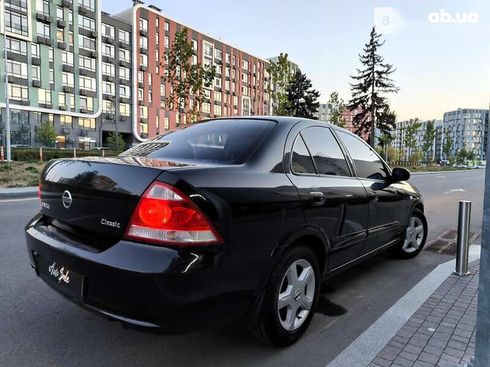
388	204
334	201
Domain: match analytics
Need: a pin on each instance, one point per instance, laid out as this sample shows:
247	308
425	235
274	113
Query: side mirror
400	174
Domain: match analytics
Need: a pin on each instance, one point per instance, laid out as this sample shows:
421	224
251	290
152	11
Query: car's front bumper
142	285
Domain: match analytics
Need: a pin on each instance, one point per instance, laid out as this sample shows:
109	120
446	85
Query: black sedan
228	217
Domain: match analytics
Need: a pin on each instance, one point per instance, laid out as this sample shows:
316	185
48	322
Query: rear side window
368	164
301	160
326	152
228	141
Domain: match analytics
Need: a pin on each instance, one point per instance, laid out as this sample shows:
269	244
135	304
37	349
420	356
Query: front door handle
318	198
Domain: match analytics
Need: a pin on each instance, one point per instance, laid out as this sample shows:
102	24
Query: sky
441	49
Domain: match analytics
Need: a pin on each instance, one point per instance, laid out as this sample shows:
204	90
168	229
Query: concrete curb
18	193
367	346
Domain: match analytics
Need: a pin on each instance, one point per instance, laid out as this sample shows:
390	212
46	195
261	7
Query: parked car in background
230	217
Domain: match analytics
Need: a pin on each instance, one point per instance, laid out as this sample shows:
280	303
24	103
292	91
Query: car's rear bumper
142	285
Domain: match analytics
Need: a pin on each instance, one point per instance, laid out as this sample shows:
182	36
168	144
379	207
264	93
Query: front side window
325	151
367	162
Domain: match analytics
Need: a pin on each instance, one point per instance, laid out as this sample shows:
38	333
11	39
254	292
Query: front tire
290	299
415	237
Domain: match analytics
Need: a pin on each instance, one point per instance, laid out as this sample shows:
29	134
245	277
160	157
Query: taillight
166	215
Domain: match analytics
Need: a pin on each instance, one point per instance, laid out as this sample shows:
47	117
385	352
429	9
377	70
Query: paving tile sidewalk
441	332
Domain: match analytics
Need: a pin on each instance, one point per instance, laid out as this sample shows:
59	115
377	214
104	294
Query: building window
218	54
44	96
60	14
70	17
167	26
108	69
124	109
16	23
86	123
87	83
86	42
36	72
140	77
124	91
245	64
108	106
51	76
34	50
206	107
60	35
217	82
217	110
124	55
18	92
123	73
17	46
140	94
67	58
87	103
90	4
143	24
68	79
70	38
43	30
208	50
217	96
143	60
109	88
17	69
167	42
123	36
143	111
108	30
108	50
86	63
66	121
143	42
86	22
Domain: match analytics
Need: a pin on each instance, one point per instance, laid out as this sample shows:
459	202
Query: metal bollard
464	218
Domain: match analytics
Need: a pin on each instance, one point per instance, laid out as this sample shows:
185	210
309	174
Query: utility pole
6	85
482	350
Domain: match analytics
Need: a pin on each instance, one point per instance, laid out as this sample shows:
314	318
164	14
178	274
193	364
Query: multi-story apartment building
89	73
53	67
399	135
239	88
468	129
117	78
323	113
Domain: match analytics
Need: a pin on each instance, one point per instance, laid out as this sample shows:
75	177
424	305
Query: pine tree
370	85
187	80
302	98
115	141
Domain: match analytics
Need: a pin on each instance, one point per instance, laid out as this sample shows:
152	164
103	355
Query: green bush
32	154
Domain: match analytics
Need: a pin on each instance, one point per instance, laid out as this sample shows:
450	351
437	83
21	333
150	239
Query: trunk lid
96	196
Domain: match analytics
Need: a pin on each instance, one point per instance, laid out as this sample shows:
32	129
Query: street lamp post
7	109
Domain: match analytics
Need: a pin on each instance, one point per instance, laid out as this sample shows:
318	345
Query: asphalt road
39	328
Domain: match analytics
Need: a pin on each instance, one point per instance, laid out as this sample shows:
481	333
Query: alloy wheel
414	235
296	295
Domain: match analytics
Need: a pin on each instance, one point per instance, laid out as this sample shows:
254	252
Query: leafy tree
416	156
115	141
462	155
385	141
447	145
186	79
410	139
394	154
46	134
336	106
370	84
302	98
280	73
430	134
471	156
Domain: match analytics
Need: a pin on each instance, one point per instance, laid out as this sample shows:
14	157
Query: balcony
83	10
68	89
36	83
61	45
61	23
43	40
108	40
67	68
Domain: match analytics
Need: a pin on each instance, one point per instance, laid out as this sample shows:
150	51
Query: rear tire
415	237
290	299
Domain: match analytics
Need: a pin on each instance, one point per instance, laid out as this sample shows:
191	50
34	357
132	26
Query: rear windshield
228	141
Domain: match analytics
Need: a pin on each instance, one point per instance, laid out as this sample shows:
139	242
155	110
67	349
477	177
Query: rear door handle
318	198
